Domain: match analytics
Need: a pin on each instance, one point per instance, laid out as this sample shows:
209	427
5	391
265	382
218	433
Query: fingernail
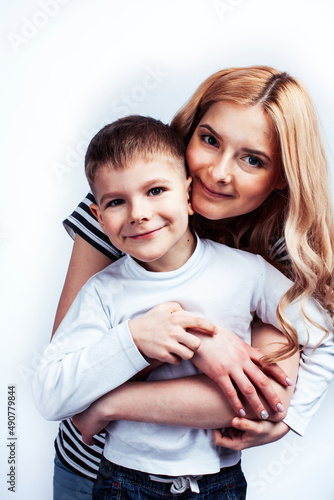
242	412
264	414
280	407
288	381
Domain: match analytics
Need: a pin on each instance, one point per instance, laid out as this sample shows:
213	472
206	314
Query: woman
298	212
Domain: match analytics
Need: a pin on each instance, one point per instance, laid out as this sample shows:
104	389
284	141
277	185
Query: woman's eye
115	203
210	140
253	161
155	191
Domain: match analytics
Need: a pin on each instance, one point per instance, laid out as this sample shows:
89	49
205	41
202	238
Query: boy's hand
249	433
233	365
162	333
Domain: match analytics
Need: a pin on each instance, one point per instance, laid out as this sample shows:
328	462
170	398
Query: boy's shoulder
219	253
224	251
104	278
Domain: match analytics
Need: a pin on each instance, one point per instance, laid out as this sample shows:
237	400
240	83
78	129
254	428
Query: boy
136	171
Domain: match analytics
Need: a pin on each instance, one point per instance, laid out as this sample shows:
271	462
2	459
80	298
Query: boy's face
144	211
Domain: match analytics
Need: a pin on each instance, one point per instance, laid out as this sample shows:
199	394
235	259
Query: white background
68	67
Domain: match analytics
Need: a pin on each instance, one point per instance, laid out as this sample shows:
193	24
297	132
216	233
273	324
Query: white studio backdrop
68	67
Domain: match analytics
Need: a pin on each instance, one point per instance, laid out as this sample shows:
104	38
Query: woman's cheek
191	159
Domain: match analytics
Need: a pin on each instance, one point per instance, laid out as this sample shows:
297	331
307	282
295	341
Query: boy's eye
156	191
253	161
210	140
115	203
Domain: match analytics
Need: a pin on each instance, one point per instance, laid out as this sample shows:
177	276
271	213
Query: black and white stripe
83	223
278	251
77	456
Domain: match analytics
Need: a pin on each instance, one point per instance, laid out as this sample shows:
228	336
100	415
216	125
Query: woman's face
233	158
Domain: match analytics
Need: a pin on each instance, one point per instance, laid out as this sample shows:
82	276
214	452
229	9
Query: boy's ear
190	208
96	212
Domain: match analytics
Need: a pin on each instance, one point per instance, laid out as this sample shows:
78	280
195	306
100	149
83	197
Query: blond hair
302	211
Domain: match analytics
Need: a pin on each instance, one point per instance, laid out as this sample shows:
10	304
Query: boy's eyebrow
158	180
106	196
145	185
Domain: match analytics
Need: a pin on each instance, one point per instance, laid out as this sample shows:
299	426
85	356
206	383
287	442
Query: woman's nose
221	169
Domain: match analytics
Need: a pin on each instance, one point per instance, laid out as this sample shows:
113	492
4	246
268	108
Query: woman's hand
162	333
233	364
249	433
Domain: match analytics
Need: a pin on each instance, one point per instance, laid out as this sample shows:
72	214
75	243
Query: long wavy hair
302	212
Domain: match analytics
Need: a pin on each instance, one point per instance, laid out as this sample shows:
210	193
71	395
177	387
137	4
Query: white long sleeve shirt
93	352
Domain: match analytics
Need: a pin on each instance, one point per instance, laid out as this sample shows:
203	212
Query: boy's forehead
139	173
151	163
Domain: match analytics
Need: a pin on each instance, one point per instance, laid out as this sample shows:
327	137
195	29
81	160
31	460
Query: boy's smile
144	211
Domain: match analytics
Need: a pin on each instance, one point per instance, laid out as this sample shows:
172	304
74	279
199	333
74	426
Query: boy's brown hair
120	142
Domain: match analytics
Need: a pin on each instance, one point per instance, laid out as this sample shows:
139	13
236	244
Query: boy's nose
139	213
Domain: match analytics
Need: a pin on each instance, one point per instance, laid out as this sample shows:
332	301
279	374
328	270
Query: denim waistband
175	484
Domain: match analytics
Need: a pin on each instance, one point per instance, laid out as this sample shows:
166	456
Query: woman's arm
85	261
192	401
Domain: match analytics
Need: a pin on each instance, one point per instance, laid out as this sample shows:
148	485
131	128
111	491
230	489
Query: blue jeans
118	483
70	486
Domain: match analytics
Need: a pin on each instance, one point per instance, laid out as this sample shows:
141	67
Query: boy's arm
85	360
87	357
195	402
85	261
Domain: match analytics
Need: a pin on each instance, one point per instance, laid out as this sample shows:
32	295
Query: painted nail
242	412
280	407
264	414
288	381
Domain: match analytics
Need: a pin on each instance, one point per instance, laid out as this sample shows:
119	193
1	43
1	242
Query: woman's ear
281	183
190	207
96	212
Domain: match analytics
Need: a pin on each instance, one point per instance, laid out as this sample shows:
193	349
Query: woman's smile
212	192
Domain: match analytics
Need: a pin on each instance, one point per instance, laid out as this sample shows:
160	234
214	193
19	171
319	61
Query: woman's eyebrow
210	129
247	150
257	152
